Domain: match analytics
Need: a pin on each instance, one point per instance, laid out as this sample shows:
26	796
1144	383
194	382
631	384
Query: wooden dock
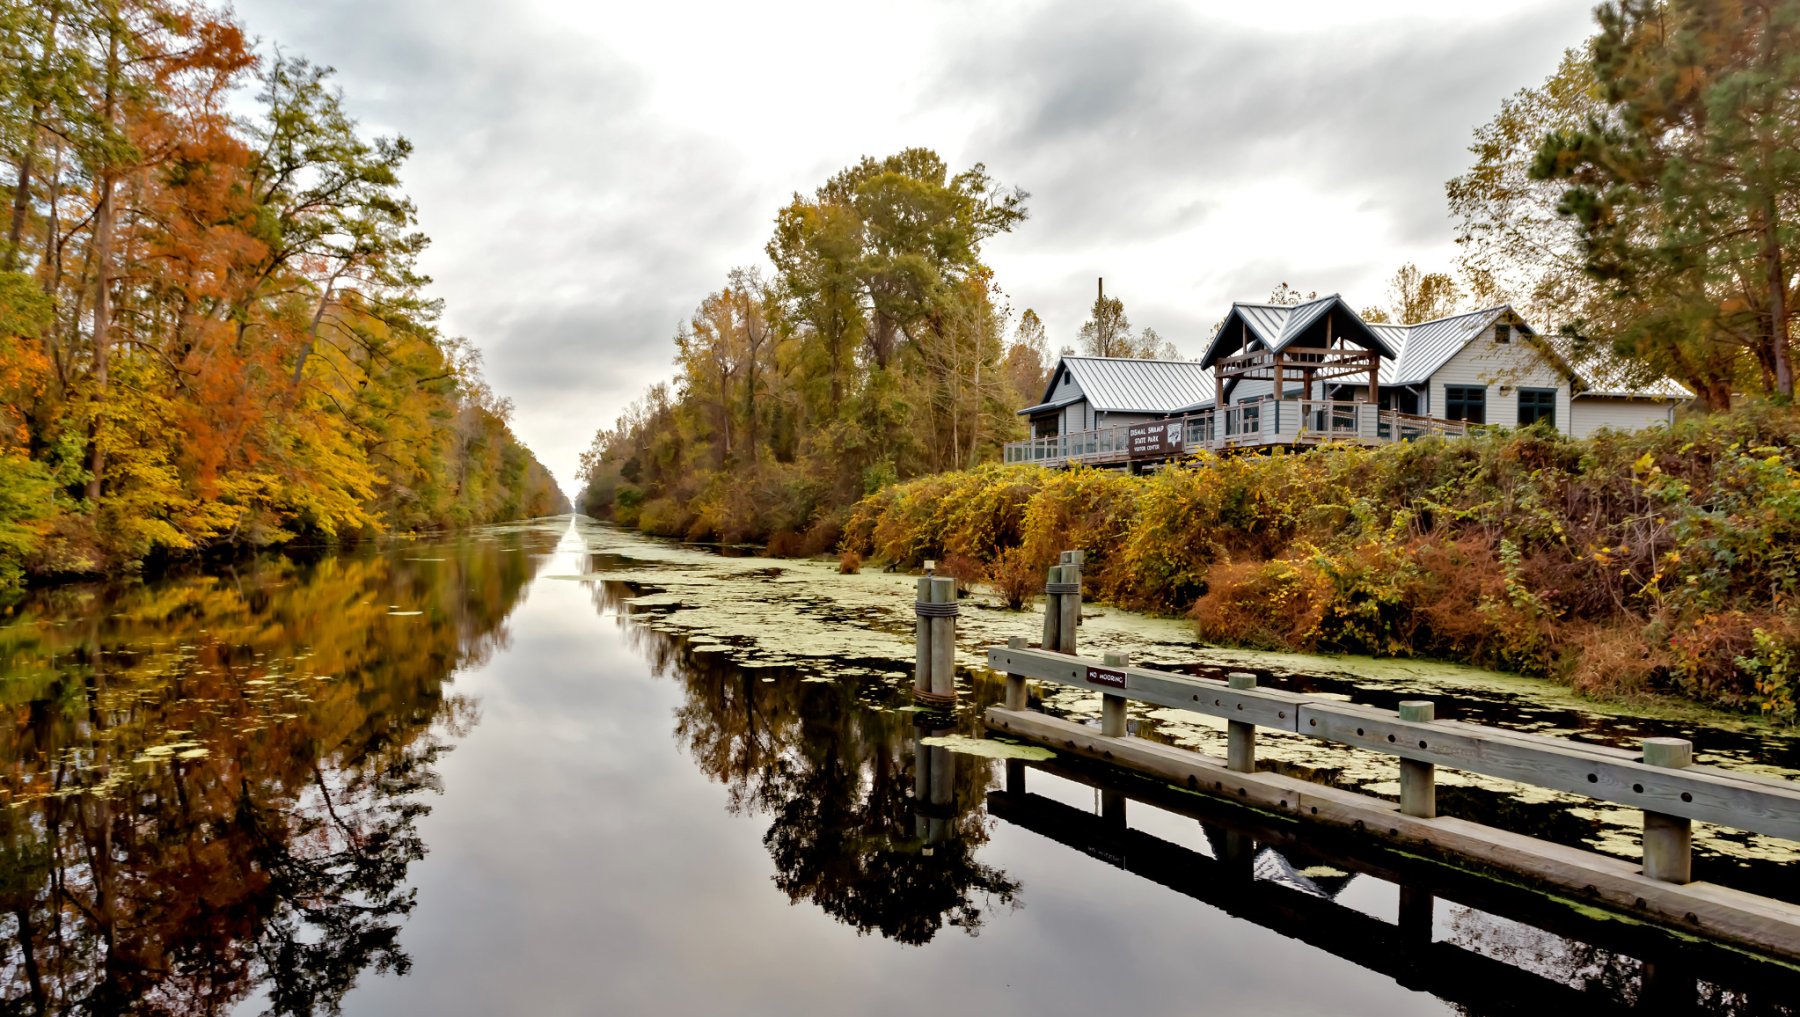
1660	778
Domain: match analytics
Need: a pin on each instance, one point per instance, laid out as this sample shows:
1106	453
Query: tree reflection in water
833	766
213	783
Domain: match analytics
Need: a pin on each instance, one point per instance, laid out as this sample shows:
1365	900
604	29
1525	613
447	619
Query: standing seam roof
1121	385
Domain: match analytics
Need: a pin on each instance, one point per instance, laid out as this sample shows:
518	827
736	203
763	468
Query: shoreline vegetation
214	334
1625	565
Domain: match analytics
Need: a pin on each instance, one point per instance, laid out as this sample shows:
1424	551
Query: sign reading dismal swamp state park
1159	439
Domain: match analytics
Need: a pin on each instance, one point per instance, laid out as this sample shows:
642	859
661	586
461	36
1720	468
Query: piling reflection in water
212	784
1484	946
875	830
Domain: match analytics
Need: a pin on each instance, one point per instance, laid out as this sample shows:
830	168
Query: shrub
1013	579
965	570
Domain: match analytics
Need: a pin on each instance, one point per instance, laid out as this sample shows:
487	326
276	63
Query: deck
1288	423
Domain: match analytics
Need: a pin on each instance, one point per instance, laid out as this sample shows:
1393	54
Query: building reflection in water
213	783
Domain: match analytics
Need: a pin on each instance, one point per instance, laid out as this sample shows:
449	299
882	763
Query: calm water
489	775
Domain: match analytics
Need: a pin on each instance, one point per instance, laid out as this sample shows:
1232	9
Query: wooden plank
1769	808
1767	925
1270	708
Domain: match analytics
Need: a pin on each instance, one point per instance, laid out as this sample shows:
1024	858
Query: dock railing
1660	778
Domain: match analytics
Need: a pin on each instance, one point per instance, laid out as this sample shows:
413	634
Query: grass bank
1658	561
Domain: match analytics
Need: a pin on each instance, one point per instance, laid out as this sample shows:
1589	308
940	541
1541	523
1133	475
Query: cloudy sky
589	171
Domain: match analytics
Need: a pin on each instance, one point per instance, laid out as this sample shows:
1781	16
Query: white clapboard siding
1594	413
1503	368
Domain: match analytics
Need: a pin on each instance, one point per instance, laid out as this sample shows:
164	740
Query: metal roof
1276	326
1426	347
1123	385
1603	374
1429	345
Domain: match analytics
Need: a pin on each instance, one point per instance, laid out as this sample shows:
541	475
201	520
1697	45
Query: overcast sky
589	171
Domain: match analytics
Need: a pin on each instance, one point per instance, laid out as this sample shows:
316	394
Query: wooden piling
1668	840
922	633
1418	781
1069	609
1052	610
1016	696
1112	708
1240	736
943	640
1075	561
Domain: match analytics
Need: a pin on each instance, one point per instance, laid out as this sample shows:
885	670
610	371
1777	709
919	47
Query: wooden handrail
1737	800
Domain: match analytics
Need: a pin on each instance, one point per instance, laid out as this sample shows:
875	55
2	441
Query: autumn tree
1684	190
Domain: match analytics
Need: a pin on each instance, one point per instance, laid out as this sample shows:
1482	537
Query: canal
552	768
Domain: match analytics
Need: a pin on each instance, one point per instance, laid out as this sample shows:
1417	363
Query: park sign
1153	441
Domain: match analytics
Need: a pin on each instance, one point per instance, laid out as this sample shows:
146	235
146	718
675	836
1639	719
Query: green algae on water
988	748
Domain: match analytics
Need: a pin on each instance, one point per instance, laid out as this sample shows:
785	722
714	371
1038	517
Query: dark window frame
1540	403
1460	401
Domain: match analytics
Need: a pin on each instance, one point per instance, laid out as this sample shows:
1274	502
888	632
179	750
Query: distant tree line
213	330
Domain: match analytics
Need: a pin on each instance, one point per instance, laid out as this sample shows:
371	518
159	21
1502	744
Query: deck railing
1244	425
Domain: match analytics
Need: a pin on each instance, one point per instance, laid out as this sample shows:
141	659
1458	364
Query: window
1503	333
1537	404
1466	402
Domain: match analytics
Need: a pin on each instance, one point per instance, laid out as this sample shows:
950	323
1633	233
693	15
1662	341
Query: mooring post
1418	781
1052	610
1076	560
1015	683
1668	840
1240	737
1069	605
1015	776
1112	708
922	649
943	638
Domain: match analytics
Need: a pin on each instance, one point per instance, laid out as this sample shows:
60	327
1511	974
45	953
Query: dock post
943	639
1418	781
1069	604
1240	744
1016	698
1076	560
922	632
1668	840
1112	708
1052	610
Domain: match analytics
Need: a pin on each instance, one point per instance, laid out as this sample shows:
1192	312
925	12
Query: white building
1317	372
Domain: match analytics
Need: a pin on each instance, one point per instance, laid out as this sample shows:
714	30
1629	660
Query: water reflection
884	834
212	784
1484	946
877	833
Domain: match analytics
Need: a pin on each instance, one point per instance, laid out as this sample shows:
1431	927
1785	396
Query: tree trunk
1779	313
103	229
22	193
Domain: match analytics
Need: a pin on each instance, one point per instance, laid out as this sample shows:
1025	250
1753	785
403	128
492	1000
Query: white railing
1244	425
